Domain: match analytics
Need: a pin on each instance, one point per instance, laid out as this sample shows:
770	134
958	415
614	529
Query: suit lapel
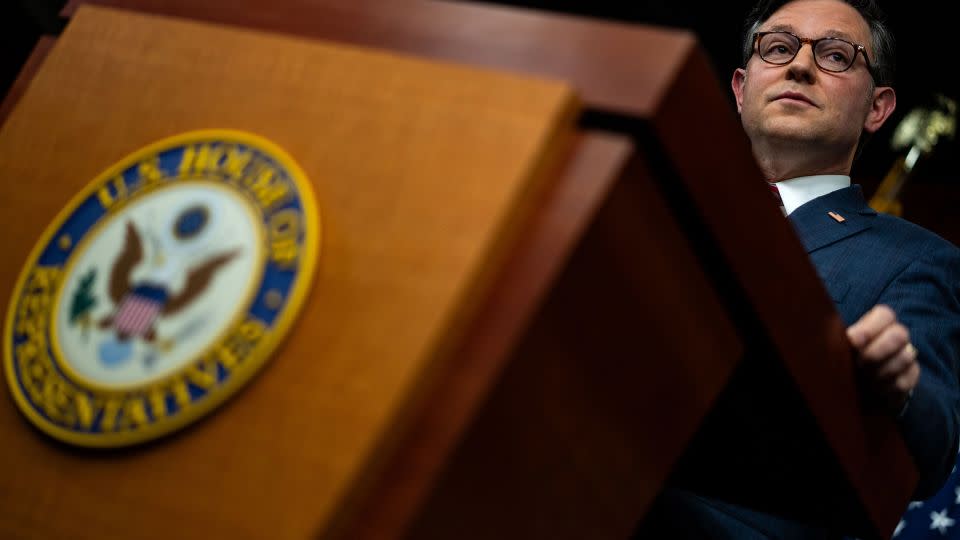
817	229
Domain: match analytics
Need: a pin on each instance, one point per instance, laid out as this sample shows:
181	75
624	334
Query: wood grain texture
30	67
621	68
604	389
555	397
421	172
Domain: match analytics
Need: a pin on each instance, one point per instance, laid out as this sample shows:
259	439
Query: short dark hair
883	55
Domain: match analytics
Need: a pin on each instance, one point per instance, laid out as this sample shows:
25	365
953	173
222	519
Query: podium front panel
421	172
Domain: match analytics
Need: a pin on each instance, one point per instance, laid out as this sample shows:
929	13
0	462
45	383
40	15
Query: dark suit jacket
872	259
866	260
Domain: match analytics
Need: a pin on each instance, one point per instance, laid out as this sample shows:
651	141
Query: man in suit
816	80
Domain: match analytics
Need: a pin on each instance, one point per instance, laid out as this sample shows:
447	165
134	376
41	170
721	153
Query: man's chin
792	130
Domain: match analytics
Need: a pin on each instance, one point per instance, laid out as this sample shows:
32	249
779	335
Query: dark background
926	59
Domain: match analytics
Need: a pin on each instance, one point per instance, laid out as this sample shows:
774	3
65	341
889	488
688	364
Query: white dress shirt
797	191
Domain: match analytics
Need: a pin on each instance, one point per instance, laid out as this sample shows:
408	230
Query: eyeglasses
829	53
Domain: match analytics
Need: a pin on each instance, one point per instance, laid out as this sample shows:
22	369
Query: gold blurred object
919	132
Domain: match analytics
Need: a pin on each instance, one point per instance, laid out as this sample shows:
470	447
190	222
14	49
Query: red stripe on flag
136	315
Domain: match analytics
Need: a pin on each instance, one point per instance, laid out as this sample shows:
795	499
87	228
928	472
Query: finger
870	325
906	381
889	343
896	365
897	390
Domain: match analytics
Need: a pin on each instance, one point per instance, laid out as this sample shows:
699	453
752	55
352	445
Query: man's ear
882	106
739	78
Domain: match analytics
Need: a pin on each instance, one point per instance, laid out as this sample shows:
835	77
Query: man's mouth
794	96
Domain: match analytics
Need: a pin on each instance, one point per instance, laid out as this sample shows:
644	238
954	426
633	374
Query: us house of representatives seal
161	288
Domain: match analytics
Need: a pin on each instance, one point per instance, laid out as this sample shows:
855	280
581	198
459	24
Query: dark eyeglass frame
857	48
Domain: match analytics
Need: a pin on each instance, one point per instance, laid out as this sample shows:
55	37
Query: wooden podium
537	302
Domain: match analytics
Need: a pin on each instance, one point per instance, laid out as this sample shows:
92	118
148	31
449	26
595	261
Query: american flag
935	518
139	309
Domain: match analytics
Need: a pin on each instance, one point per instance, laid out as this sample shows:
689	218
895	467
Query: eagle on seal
139	305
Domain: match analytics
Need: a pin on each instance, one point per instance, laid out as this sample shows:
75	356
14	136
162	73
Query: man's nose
803	67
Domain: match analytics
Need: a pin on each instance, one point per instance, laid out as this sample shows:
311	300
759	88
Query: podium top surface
616	67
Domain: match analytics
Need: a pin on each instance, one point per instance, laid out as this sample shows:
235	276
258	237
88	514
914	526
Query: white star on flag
914	504
940	521
957	491
899	529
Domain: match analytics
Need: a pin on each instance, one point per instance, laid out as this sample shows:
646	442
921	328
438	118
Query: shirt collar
798	191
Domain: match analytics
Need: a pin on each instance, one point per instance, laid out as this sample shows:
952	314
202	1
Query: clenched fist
886	359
